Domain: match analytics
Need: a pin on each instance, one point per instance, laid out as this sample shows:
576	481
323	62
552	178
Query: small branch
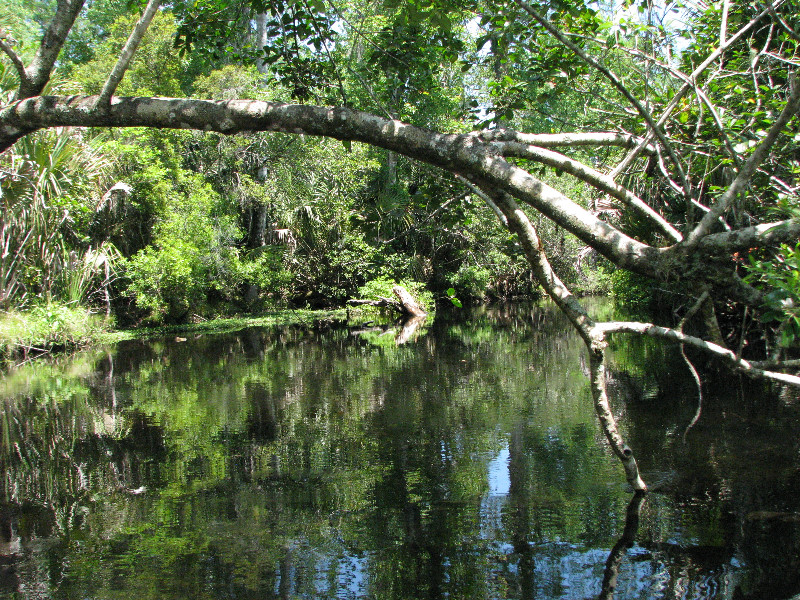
5	46
553	140
519	223
723	26
746	172
127	53
696	307
698	383
776	17
534	251
701	95
617	83
710	59
486	198
776	364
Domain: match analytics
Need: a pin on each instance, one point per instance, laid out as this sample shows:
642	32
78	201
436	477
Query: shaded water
308	462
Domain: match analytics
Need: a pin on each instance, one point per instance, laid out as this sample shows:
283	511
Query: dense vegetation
679	119
200	224
157	226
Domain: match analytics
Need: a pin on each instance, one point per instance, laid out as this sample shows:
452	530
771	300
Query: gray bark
37	74
127	53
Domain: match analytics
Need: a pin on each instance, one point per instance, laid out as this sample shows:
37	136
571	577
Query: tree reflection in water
617	554
308	462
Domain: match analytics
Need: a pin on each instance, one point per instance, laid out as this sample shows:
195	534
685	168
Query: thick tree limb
464	154
757	236
127	53
405	304
39	71
596	179
380	303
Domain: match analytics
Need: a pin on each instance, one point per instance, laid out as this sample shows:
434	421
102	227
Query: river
323	462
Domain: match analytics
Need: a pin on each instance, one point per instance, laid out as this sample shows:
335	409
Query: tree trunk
410	306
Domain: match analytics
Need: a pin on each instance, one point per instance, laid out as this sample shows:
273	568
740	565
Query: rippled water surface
323	462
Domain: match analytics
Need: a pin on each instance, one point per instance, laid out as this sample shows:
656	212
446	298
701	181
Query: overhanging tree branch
596	179
519	223
463	154
724	354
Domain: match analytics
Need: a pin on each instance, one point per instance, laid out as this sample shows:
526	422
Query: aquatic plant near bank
49	326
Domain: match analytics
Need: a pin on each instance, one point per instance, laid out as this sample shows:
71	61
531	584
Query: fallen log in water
405	304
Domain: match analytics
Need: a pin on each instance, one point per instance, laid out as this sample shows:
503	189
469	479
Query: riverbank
59	328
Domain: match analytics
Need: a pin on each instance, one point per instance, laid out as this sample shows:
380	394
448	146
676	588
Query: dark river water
322	462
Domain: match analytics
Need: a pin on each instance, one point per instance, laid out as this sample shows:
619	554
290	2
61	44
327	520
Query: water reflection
307	462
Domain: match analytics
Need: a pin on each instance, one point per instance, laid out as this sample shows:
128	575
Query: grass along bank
48	327
58	327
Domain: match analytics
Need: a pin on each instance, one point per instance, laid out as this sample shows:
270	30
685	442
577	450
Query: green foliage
451	295
155	69
297	37
472	280
168	280
633	293
49	185
193	253
48	325
779	277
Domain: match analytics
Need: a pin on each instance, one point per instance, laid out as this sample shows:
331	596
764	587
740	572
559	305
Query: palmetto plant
44	179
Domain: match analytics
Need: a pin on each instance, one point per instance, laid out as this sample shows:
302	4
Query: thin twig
617	83
792	33
710	59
